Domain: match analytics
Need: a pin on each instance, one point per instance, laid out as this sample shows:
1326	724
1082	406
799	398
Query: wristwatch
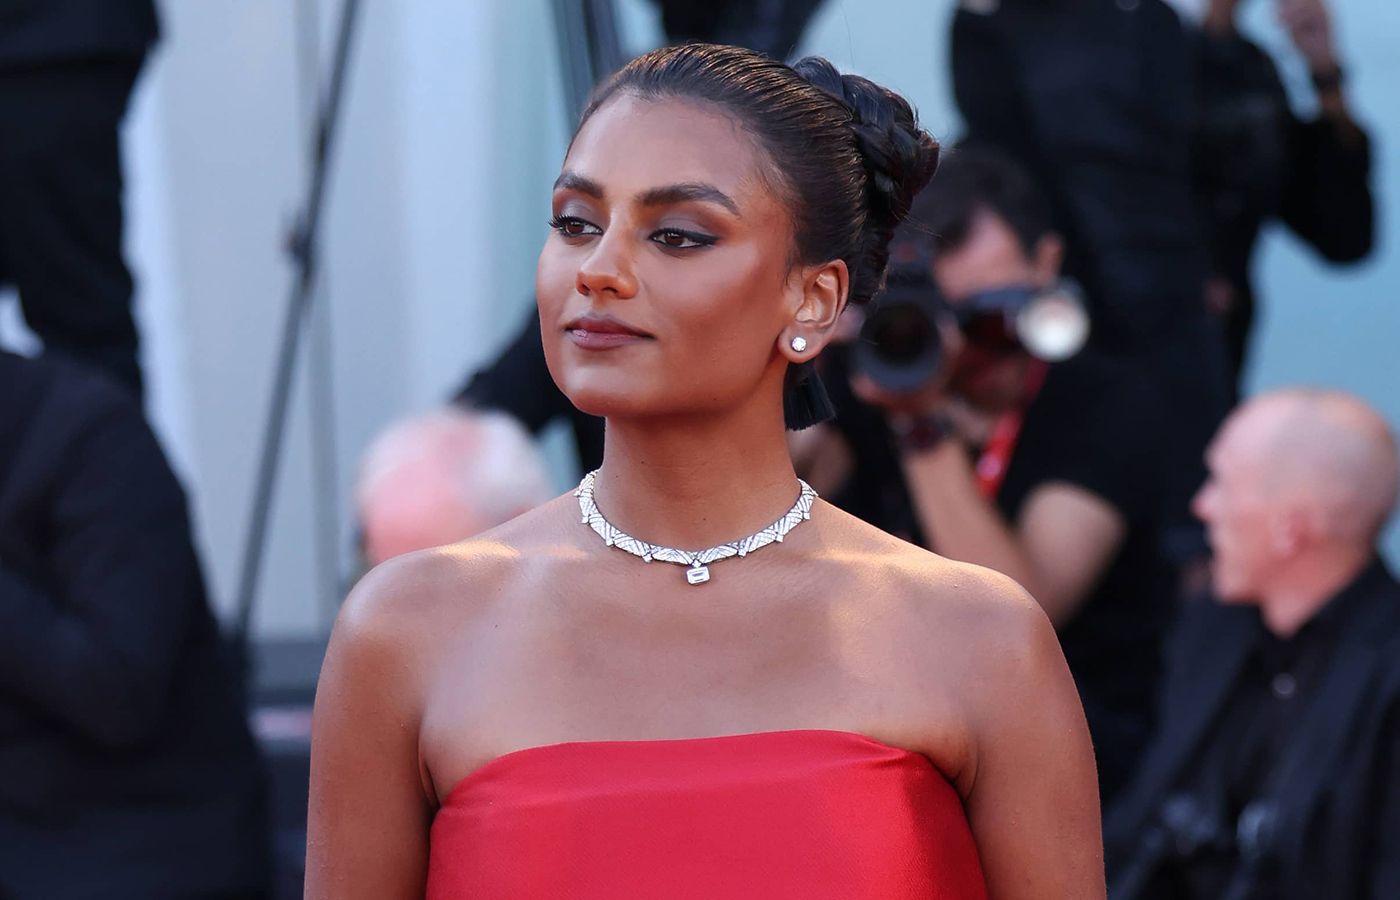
921	432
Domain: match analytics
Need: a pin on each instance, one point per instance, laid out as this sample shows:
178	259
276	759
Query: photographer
1045	473
1275	772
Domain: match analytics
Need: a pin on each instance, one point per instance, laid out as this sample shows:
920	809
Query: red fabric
801	814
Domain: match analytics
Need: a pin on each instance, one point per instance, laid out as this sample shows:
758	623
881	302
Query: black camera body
903	344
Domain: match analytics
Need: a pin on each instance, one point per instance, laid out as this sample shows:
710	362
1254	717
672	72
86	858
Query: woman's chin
606	401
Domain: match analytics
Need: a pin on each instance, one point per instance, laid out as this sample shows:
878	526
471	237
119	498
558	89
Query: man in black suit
66	72
126	765
1276	769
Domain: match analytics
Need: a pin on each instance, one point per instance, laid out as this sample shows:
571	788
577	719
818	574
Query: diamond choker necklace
697	561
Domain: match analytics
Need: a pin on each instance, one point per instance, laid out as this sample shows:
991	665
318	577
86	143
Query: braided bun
898	156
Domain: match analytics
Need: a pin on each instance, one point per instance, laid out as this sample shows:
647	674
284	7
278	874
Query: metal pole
303	250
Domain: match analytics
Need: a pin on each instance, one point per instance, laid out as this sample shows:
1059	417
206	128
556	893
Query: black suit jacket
48	31
1094	98
126	765
1345	842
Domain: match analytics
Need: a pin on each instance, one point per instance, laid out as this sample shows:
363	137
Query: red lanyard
996	456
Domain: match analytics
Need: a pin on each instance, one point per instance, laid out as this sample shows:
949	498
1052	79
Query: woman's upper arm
1034	801
369	814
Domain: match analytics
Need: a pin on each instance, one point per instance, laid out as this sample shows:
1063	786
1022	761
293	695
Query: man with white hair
443	477
1276	770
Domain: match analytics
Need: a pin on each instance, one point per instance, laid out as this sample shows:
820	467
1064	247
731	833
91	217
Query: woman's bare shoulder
984	619
410	599
929	584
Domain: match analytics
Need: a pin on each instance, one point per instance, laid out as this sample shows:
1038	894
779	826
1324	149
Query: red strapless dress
809	814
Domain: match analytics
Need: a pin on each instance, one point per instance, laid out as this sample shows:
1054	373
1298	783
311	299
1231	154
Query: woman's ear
821	298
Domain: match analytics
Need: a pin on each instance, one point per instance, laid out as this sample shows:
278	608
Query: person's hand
927	400
969	424
1309	24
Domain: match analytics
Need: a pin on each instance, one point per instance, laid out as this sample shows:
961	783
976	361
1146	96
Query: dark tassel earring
805	401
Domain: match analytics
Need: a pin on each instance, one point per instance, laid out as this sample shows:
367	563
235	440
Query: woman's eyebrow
688	191
658	196
575	182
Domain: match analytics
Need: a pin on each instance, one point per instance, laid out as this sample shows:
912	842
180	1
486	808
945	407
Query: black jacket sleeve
518	383
1328	200
95	646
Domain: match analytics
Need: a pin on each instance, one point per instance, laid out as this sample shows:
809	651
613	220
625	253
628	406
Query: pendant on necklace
698	575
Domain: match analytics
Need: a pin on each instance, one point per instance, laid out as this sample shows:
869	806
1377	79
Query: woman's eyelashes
573	227
669	238
680	239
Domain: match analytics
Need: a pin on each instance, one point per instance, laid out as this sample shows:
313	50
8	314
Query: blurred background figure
126	765
1255	161
66	72
1094	98
770	26
960	438
443	477
1276	772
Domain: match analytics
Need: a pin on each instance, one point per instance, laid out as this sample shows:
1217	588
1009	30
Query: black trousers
61	208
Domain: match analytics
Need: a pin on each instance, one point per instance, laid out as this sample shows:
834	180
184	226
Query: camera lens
901	334
900	346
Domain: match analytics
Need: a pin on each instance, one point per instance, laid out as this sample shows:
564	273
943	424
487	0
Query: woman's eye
570	226
681	240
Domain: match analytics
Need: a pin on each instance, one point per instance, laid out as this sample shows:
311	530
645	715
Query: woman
818	710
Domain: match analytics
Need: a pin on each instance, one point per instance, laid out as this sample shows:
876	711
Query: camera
903	343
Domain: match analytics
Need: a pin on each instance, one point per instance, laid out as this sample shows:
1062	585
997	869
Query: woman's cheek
554	279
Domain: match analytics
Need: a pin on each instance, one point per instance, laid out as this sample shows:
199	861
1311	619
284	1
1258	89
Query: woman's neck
695	483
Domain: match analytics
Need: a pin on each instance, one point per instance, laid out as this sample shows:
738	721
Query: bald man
1276	769
443	477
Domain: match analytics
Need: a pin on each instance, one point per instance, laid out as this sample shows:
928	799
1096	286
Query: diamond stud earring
799	343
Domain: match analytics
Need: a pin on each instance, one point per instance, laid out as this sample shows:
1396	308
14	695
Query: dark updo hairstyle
848	157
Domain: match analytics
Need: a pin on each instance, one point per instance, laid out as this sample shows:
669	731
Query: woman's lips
603	340
603	333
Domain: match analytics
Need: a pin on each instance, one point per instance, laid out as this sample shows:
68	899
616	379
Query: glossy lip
602	332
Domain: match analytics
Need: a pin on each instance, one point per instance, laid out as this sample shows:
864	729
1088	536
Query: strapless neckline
807	814
511	757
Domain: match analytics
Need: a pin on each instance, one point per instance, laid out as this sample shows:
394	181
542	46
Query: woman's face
664	287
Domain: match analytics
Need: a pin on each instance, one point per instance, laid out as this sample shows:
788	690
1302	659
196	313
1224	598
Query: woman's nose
607	269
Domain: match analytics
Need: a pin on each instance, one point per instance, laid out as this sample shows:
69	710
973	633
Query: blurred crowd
1049	387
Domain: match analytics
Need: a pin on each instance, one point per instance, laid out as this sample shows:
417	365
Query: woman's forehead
633	144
